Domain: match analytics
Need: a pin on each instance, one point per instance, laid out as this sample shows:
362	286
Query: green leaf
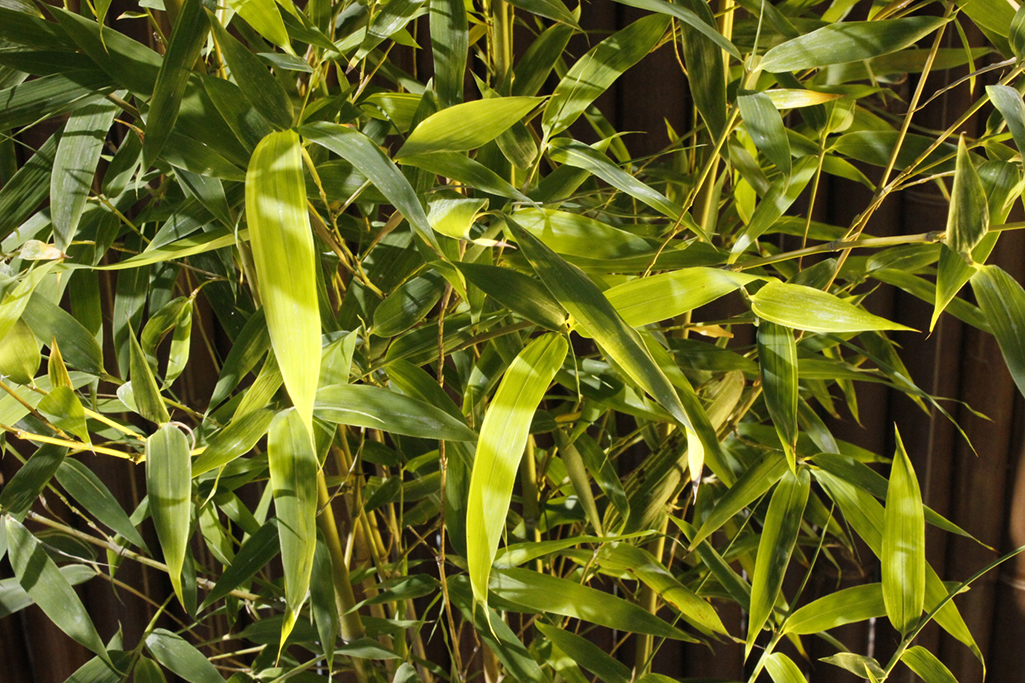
366	156
148	671
903	556
687	17
21	195
19	354
1016	38
579	155
782	669
49	589
75	166
65	411
293	477
926	666
754	482
363	405
234	441
466	126
846	606
92	494
850	41
866	668
22	490
258	550
181	658
533	68
144	386
263	16
622	557
187	40
13	597
522	294
169	486
549	9
262	89
646	300
408	304
49	96
968	219
503	436
546	593
463	170
449	29
586	654
953	272
1009	103
1002	301
779	535
598	69
807	308
596	317
285	259
706	72
765	126
578	235
777	364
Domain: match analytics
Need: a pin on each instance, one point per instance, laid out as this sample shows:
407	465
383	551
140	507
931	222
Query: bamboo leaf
22	490
598	69
181	658
849	41
148	671
187	39
779	535
903	558
1002	301
257	551
782	669
586	654
293	476
74	167
21	195
846	606
363	405
264	17
234	441
19	354
13	597
687	17
362	153
807	308
777	363
148	402
573	153
522	294
866	668
92	494
49	589
707	74
623	557
549	9
464	170
1009	103
408	304
533	68
285	260
1016	37
765	126
251	75
503	436
646	300
546	593
466	126
968	219
780	196
169	486
598	319
754	482
926	666
449	28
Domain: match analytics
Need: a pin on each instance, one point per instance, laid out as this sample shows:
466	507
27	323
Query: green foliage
478	361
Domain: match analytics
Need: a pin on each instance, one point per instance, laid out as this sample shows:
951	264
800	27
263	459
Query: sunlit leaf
169	483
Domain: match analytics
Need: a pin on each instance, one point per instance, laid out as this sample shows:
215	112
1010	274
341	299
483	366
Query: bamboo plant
429	378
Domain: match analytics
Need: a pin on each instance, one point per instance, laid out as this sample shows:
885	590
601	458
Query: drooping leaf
1002	301
180	657
144	386
92	494
449	28
779	535
258	550
1009	103
285	260
49	589
523	295
777	363
586	654
28	483
503	436
264	17
765	126
293	475
169	486
846	606
363	405
849	41
926	666
749	486
782	669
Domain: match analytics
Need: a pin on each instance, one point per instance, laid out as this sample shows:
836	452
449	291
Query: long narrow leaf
903	557
169	483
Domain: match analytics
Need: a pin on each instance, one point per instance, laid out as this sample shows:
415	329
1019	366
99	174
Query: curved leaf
807	308
362	405
466	126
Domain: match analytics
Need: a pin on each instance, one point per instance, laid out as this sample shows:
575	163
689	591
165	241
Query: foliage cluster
483	382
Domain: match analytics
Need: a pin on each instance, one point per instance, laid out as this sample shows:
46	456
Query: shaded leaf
169	486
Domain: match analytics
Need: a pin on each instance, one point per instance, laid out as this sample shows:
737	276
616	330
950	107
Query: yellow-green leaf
466	126
846	606
903	557
503	436
169	486
777	363
650	299
285	259
807	308
1002	301
926	666
293	478
765	126
968	219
